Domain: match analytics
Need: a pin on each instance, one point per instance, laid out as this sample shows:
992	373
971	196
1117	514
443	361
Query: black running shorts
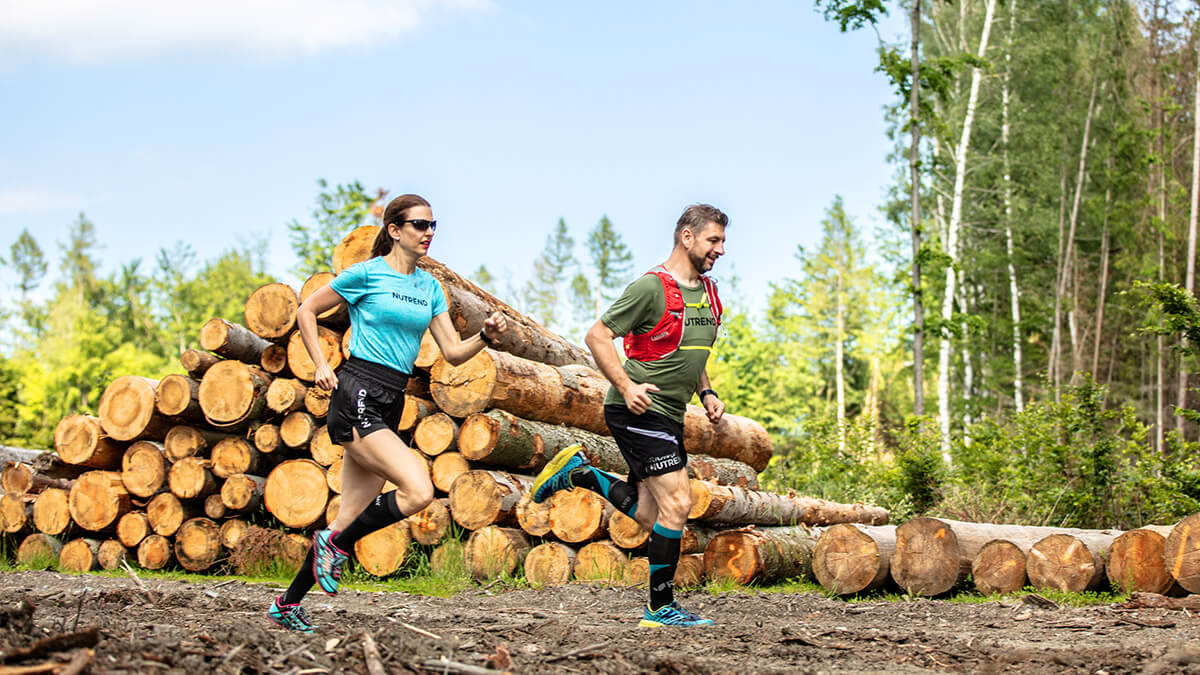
651	443
369	397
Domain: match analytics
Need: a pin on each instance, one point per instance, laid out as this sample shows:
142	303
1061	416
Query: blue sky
205	122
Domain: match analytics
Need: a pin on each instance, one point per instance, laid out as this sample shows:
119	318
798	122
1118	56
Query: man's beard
699	263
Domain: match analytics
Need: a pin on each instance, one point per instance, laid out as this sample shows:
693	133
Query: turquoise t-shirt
389	311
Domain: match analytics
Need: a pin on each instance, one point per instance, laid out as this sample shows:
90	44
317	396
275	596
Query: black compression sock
379	514
663	552
302	583
622	495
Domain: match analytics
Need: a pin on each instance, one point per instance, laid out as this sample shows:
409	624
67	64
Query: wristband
486	340
707	392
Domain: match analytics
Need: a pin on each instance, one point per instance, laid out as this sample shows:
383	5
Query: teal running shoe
291	617
672	615
328	560
557	473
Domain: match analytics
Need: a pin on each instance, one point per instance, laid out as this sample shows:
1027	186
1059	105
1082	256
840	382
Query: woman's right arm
306	319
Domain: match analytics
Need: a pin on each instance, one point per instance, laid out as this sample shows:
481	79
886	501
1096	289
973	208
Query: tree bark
166	513
98	499
436	434
579	515
196	362
482	498
429	525
52	511
154	552
1013	290
192	478
415	410
494	552
1072	563
132	528
233	393
382	552
337	316
471	305
914	173
1135	561
79	556
111	554
270	311
127	411
144	469
447	467
549	564
242	493
178	396
301	363
234	456
601	561
232	341
285	395
729	504
82	441
850	559
688	574
762	554
960	171
296	493
297	429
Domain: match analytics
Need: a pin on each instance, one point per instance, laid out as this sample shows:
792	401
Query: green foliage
853	14
544	292
484	279
338	211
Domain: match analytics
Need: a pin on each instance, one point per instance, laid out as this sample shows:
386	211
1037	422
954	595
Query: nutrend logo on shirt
409	299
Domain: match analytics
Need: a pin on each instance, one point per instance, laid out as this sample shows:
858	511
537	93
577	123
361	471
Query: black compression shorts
369	397
651	443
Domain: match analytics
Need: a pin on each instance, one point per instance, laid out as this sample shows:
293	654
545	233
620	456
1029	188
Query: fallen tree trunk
429	525
500	438
446	469
98	499
233	393
1180	555
19	478
270	312
196	362
232	341
82	441
494	552
722	471
241	493
482	498
301	363
1069	562
144	468
79	556
285	395
132	528
191	478
235	456
734	437
579	515
428	353
470	305
850	559
763	554
436	434
1135	561
52	511
601	561
165	513
549	564
728	504
198	544
337	316
296	493
178	396
112	554
127	411
823	512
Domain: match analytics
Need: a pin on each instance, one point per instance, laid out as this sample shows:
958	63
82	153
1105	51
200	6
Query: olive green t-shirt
676	375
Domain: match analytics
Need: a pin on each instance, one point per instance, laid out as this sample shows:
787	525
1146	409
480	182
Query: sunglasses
422	225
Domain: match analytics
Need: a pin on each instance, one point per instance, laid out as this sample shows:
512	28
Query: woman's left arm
457	350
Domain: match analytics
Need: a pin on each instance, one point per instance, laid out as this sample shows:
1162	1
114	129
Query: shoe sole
647	623
558	462
277	623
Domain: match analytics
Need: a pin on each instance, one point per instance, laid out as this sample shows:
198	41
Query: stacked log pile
173	471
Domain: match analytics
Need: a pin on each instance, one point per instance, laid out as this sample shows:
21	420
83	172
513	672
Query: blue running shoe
327	561
291	617
672	615
557	474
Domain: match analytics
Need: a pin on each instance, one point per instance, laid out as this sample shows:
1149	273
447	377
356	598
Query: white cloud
28	199
90	31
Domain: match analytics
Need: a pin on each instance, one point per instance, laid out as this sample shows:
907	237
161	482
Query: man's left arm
709	399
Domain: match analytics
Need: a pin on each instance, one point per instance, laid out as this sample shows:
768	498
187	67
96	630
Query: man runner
669	320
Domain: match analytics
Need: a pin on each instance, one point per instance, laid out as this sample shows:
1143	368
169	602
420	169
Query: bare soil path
182	627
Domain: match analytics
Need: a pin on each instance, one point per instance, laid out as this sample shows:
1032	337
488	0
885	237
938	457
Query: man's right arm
600	341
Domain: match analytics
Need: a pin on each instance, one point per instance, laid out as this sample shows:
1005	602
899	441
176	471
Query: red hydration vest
664	338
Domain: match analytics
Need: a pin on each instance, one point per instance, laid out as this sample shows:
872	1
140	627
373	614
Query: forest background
1019	351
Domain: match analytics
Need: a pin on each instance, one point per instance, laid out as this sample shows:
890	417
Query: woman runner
392	303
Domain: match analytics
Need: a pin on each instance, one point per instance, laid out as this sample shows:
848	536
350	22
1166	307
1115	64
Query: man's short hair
696	216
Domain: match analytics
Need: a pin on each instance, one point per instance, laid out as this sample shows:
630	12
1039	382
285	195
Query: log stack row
174	470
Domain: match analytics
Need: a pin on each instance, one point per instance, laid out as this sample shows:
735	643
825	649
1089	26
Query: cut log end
197	544
494	552
999	567
927	560
549	563
1136	563
382	552
847	560
296	493
1182	553
601	561
270	311
1063	562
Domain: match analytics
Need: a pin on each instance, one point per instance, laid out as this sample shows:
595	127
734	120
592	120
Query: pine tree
544	292
337	212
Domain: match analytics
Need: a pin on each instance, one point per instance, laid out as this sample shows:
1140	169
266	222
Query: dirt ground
180	627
